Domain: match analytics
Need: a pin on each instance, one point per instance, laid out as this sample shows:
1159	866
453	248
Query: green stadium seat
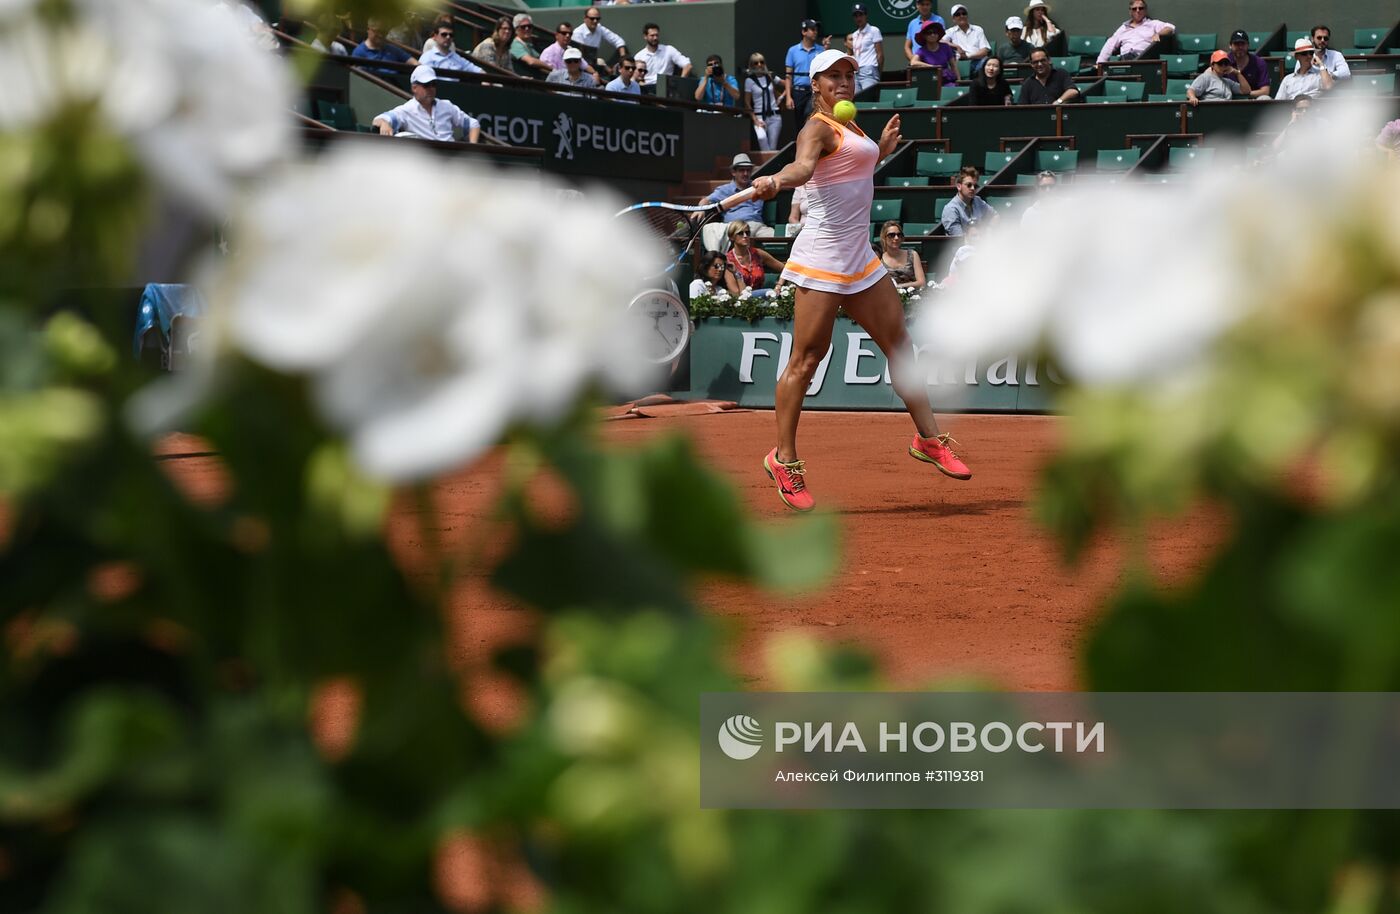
1085	45
1181	157
1353	52
1102	99
866	106
1123	91
996	161
882	210
1257	36
1026	180
1373	83
938	164
898	98
1293	37
964	69
1176	88
950	93
1183	64
1197	42
1162	98
1114	160
341	117
1369	38
1005	205
920	228
1057	160
921	181
1071	64
780	230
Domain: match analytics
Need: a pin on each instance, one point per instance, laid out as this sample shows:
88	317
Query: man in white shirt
660	59
1307	77
442	55
425	116
865	45
969	39
1332	60
592	33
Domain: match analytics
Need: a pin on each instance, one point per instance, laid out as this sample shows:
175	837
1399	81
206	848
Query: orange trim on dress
828	276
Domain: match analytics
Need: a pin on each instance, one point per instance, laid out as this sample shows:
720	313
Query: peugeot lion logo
740	737
564	131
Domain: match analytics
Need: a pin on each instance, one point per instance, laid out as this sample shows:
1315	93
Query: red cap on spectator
1219	56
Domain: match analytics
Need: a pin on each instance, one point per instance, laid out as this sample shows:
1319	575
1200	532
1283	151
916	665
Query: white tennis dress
833	253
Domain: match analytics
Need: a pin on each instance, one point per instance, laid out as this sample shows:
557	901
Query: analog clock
665	324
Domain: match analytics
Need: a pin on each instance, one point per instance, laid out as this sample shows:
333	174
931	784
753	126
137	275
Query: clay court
938	578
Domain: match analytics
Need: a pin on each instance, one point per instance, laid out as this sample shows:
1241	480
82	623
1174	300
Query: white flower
202	104
426	331
1128	283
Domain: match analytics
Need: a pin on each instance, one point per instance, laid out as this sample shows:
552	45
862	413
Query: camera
715	69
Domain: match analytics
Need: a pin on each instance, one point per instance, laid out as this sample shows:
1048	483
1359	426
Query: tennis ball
844	111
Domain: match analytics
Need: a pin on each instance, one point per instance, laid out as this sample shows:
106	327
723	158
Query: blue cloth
956	216
160	304
916	23
616	86
752	211
449	61
800	60
714	95
387	53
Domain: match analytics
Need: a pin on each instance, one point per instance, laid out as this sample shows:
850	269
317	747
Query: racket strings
675	230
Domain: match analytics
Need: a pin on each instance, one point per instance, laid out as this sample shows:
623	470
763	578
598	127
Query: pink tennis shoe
936	451
792	488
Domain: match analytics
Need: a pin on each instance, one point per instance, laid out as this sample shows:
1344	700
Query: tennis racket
678	226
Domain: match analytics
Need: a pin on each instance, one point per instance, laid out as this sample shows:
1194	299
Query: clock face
665	324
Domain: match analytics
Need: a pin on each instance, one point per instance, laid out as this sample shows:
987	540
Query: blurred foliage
164	652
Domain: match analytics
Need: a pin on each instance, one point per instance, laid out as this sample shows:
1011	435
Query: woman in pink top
833	267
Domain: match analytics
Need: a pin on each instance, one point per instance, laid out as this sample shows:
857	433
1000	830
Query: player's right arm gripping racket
678	226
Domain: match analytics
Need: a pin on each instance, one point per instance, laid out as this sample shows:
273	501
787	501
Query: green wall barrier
733	359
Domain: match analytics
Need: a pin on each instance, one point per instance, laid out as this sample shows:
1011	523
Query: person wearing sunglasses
522	52
441	55
1307	78
625	83
713	276
1135	36
748	261
495	48
905	266
761	101
554	54
591	34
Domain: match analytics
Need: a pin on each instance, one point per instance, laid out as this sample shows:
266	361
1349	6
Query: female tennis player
834	266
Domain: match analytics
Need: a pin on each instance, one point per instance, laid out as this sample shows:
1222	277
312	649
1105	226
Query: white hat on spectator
827	58
1303	44
1014	23
741	161
573	54
956	7
423	74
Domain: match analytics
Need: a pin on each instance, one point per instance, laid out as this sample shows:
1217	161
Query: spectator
1299	124
626	81
969	39
376	46
441	55
495	49
923	15
797	211
717	87
1135	36
1015	49
799	63
747	261
591	35
866	45
934	52
714	276
659	59
989	86
1307	78
522	52
573	73
1039	27
905	267
1034	214
1255	71
413	31
1331	60
751	212
762	102
425	115
966	207
965	252
553	55
327	33
1218	82
1047	85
